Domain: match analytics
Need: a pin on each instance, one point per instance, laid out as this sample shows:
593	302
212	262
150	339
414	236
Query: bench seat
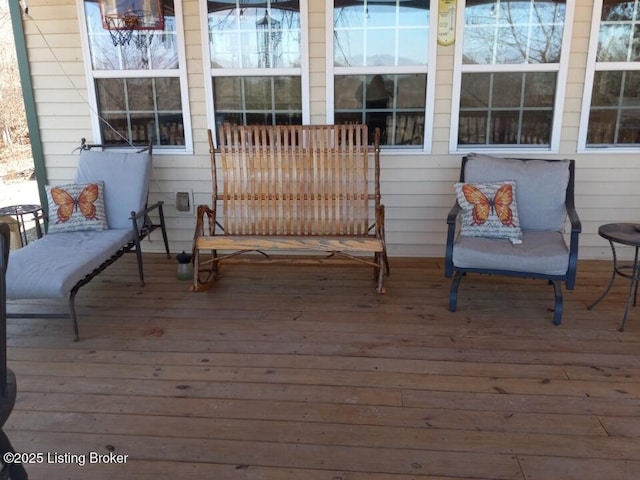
289	242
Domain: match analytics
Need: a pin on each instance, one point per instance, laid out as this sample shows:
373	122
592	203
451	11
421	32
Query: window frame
210	73
429	69
590	72
561	68
180	73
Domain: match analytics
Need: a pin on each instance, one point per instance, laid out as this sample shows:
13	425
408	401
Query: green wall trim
15	11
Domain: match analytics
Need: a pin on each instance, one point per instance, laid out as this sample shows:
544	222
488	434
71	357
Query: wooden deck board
304	372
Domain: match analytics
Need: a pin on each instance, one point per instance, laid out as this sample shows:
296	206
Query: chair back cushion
541	187
126	181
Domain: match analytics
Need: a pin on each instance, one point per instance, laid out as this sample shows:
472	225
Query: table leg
632	289
23	229
613	276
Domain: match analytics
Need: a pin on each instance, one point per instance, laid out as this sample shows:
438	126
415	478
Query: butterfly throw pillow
76	207
489	210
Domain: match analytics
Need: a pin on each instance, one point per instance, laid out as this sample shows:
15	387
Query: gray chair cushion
52	265
542	252
540	187
126	181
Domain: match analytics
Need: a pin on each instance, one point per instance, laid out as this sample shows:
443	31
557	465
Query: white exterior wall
416	187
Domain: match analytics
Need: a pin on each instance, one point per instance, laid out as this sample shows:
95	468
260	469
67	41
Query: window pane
606	89
602	127
377	33
613	10
613	43
507	108
507	90
140	94
393	103
629	126
513	32
141	109
245	35
615	118
151	44
619	37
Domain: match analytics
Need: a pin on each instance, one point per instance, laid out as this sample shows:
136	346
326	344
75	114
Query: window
379	65
510	74
136	69
612	90
256	61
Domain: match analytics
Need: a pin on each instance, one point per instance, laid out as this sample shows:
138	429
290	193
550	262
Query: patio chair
91	224
509	219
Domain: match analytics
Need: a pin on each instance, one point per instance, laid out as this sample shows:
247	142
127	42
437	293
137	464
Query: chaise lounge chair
83	237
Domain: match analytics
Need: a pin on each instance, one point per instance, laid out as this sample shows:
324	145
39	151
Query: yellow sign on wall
446	22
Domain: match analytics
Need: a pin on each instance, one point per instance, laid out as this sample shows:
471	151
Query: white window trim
590	72
429	69
180	72
209	73
558	107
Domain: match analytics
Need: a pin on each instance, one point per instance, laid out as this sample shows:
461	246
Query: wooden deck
305	372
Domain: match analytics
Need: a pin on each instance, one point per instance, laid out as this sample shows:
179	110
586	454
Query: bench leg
382	271
207	268
453	292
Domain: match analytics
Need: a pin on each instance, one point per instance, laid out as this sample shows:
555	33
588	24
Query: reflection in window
148	49
513	32
392	103
257	100
370	42
513	107
256	55
506	108
614	113
135	107
140	110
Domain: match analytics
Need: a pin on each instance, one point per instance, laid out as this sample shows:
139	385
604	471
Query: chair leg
163	229
12	471
453	293
557	310
72	314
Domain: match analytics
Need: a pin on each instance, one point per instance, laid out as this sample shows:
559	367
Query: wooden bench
292	189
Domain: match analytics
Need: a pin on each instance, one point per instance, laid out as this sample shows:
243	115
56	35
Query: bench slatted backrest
294	180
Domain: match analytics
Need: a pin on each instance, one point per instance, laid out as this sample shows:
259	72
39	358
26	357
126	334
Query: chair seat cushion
52	265
541	252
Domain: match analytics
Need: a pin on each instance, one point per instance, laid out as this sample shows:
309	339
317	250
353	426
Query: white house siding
416	187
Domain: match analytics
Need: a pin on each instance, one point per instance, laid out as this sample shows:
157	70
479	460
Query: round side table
623	234
19	211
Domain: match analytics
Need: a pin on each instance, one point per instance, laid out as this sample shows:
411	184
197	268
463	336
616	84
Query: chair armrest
142	229
574	219
452	218
576	228
453	213
143	213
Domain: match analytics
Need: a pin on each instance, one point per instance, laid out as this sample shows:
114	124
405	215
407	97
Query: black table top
623	233
19	209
